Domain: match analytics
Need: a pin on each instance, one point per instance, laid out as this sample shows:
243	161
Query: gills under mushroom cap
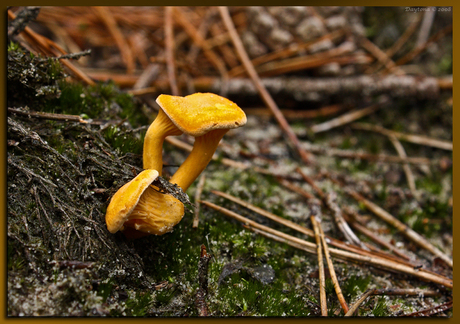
139	206
199	113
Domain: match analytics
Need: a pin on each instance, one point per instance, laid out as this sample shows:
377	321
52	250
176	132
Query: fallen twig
298	114
380	55
398	44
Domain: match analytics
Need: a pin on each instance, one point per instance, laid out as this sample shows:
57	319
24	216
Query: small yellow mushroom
207	117
139	206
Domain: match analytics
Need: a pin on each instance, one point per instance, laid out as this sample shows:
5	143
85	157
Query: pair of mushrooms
138	208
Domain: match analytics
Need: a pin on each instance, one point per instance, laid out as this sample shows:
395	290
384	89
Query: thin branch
261	89
22	19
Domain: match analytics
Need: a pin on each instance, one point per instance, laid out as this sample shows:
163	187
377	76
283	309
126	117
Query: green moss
355	285
242	295
380	308
124	142
138	305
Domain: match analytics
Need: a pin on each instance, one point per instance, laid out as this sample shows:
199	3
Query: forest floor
353	157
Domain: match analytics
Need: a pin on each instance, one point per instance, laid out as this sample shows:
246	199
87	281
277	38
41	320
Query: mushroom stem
154	138
202	152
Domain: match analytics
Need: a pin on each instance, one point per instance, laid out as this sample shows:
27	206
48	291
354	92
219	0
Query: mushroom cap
199	113
126	198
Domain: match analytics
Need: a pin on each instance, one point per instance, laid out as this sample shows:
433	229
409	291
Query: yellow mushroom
138	206
207	117
154	138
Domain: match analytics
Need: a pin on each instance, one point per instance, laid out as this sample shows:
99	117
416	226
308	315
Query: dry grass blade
398	44
267	214
295	188
359	302
380	55
322	279
403	228
330	265
345	255
286	52
108	19
340	221
169	50
406	167
379	241
345	119
416	51
308	232
257	82
416	139
215	60
329	201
